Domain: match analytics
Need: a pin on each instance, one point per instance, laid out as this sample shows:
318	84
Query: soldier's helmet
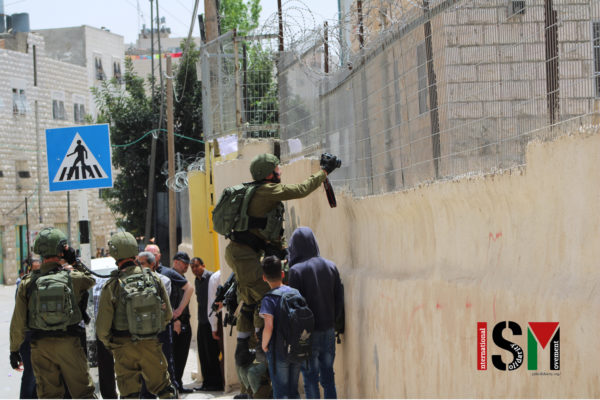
262	165
49	242
122	245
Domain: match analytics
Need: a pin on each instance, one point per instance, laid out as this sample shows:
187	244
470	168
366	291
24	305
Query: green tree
130	113
240	15
188	104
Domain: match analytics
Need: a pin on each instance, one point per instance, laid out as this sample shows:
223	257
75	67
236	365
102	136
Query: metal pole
84	228
361	36
171	151
152	46
246	103
69	217
27	228
238	96
280	15
326	47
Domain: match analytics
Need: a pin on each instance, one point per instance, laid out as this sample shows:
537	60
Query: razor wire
179	181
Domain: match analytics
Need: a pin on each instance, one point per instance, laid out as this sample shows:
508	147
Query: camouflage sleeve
82	282
18	323
106	310
300	190
165	298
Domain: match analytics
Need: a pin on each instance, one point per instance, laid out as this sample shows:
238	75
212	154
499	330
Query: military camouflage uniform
133	357
245	261
56	356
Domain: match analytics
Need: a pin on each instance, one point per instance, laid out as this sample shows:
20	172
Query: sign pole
84	228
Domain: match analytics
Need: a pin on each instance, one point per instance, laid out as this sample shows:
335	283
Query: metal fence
428	90
239	86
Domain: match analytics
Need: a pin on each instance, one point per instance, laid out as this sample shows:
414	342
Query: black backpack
295	325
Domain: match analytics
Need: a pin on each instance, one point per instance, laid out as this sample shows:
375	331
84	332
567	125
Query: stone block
478	54
570	69
461	73
470	16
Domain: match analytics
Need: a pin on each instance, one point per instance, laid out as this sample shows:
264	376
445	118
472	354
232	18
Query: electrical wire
154	133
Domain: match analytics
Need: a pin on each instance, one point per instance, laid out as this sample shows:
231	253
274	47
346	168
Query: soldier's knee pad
243	355
169	392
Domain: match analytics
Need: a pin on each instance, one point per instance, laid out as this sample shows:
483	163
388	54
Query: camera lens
338	163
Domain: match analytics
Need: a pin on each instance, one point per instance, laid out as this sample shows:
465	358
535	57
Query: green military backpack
139	308
231	212
52	305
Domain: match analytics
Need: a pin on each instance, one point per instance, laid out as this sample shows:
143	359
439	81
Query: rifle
227	295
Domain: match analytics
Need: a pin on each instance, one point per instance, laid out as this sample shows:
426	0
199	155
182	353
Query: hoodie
316	278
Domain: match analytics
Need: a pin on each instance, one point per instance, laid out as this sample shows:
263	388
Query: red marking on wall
496	237
438	306
468	305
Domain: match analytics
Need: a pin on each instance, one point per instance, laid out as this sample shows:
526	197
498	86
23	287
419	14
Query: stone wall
423	266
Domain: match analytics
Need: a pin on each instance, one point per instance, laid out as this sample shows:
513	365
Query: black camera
330	161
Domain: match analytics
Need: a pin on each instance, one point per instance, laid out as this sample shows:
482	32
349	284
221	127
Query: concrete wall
423	266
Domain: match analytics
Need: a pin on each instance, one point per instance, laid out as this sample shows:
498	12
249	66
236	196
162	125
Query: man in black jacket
318	280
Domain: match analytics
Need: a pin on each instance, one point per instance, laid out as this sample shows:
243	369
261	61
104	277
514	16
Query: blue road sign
79	158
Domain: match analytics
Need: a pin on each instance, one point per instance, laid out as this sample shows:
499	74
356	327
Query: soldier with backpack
133	308
288	328
251	216
47	305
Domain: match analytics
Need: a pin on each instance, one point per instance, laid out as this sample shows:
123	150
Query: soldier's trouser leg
142	357
245	263
58	359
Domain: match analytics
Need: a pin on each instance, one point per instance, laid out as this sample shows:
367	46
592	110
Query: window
99	70
516	7
79	109
422	76
117	71
19	101
596	47
58	105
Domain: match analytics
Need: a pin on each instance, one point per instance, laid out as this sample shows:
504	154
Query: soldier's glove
15	360
70	255
329	162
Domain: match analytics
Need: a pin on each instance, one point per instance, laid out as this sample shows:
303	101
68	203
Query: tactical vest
139	307
274	224
51	301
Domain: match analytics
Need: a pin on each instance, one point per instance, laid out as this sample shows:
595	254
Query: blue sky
122	17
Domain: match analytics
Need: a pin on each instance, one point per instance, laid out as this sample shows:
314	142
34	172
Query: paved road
10	380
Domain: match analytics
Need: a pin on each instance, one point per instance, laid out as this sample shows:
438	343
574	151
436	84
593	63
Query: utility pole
150	195
171	150
212	26
280	18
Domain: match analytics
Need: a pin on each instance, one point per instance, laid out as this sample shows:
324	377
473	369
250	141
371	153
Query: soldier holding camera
264	236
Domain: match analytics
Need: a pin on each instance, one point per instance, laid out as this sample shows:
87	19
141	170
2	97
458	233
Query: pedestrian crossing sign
79	158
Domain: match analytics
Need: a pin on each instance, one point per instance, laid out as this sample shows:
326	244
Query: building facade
38	92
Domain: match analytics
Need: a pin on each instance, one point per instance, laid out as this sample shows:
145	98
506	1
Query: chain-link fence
426	90
239	83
